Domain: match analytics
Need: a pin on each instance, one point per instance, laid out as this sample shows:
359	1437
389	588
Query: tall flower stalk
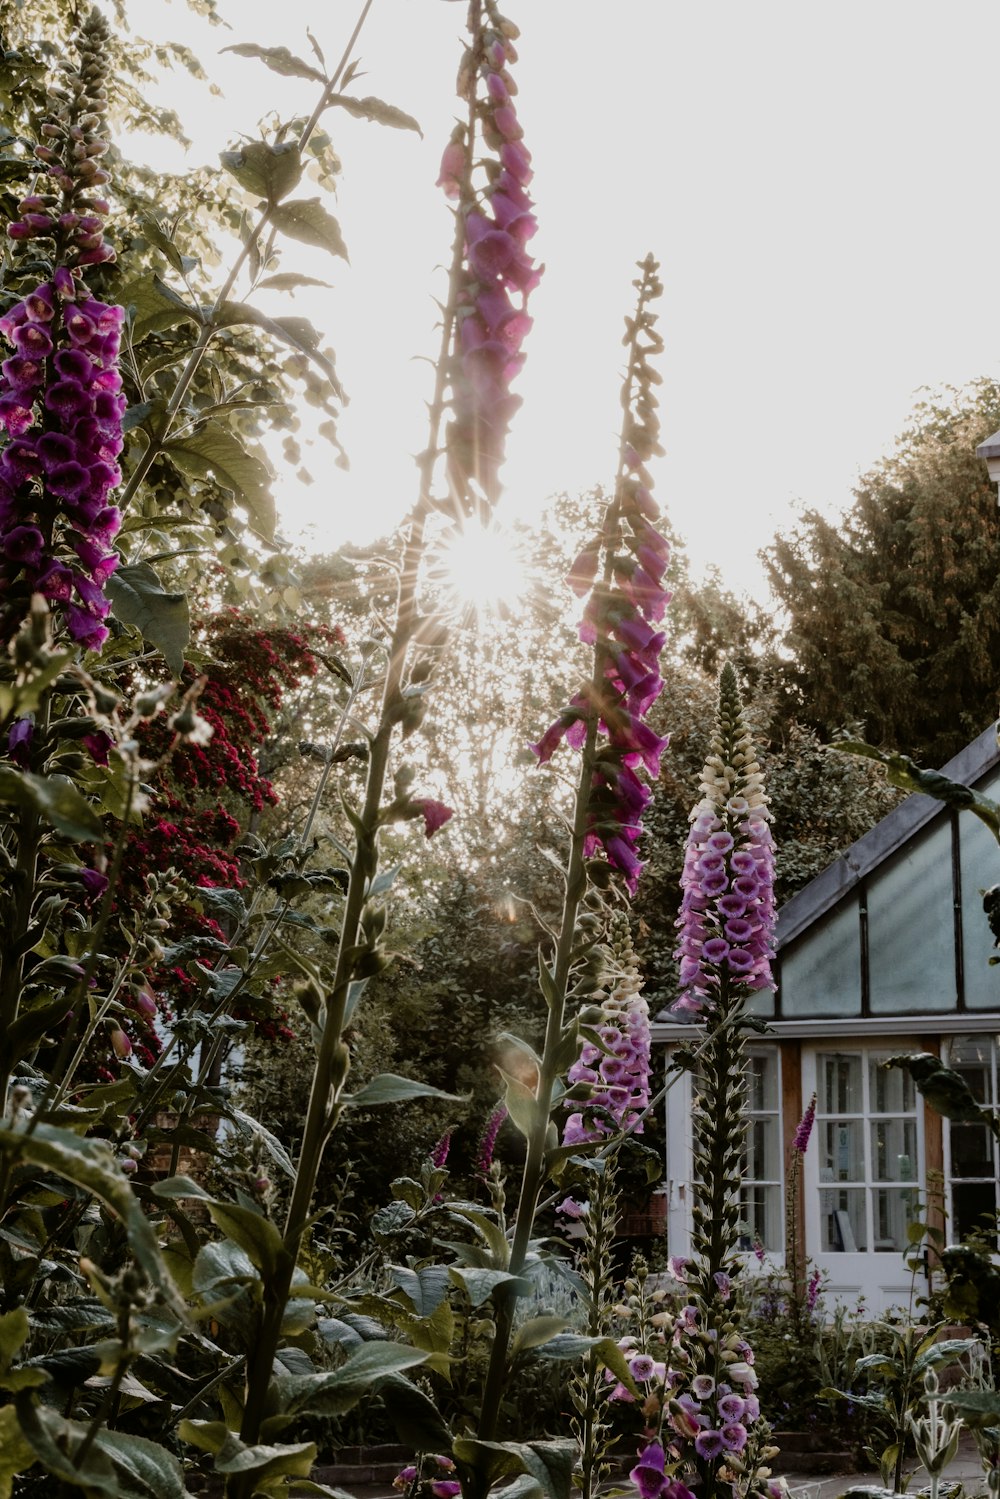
605	721
60	390
726	923
413	648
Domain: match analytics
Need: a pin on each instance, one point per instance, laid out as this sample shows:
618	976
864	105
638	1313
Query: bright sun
482	567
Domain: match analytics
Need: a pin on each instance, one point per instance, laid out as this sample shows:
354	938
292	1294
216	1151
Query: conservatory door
862	1172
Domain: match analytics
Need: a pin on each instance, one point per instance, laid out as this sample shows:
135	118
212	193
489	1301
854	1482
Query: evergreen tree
894	611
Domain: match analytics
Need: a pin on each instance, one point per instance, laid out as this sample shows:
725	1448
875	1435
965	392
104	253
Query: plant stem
330	1072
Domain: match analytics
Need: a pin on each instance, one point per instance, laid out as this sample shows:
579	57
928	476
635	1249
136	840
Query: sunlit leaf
376	110
139	598
279	60
307	220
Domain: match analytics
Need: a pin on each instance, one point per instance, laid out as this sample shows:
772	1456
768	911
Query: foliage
892	612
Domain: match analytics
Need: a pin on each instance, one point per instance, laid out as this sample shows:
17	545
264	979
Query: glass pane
972	1056
762	1157
839	1083
894	1150
761	1218
973	1209
821	971
762	1081
911	947
890	1088
892	1209
971	1150
841	1150
842	1220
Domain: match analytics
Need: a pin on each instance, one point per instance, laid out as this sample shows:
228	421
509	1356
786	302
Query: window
866	1124
973	1173
761	1190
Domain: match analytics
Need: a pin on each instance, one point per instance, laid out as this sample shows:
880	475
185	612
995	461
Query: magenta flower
60	393
709	1444
618	1104
619	621
812	1291
488	1141
727	913
648	1475
435	814
439	1154
804	1130
734	1437
498	275
120	1043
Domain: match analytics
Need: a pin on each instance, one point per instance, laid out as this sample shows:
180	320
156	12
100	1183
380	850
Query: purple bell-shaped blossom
727	913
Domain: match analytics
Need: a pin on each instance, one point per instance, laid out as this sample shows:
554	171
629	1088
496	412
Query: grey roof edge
968	766
989	447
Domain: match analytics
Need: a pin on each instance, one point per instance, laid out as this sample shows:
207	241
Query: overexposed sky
818	182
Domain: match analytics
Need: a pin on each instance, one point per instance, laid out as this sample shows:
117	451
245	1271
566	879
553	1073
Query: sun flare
482	567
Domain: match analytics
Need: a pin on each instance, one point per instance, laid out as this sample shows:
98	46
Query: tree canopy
893	611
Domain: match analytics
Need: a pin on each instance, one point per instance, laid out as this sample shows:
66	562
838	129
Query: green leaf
119	1464
90	1165
56	800
306	219
376	111
901	771
425	1289
178	1187
157	236
334	1393
289	281
138	598
155	306
977	1408
14	1329
536	1331
297	332
279	1155
266	1462
30	1026
266	171
547	1465
480	1284
215	453
279	60
418	1422
16	1452
388	1088
255	1235
522	1105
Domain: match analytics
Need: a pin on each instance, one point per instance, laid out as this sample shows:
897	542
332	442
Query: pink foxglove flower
727	907
498	273
617	1070
805	1126
488	1140
620	619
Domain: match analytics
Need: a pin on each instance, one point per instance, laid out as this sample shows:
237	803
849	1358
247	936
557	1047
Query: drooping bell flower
626	603
498	273
618	1069
727	907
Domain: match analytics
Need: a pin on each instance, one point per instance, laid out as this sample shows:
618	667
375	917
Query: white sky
818	182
